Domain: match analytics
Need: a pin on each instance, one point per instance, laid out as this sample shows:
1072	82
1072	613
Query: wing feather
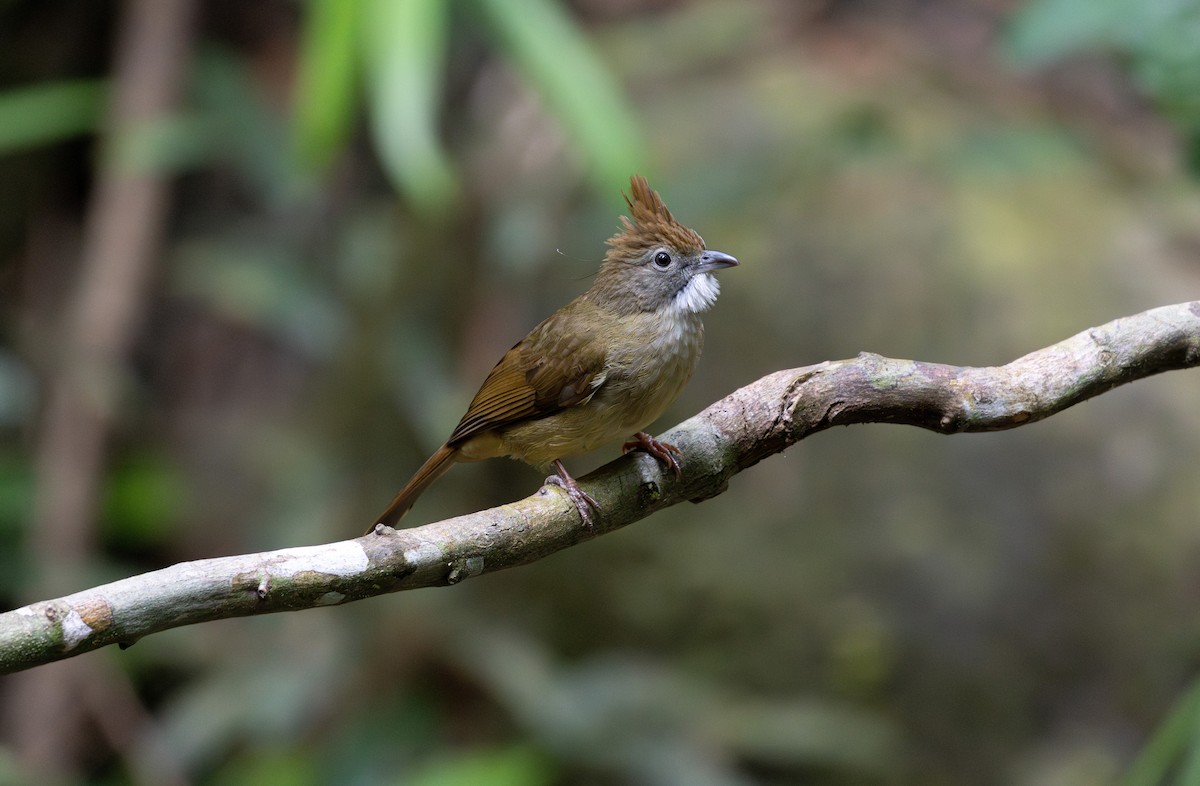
557	366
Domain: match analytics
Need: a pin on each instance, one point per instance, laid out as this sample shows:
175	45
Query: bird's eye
662	260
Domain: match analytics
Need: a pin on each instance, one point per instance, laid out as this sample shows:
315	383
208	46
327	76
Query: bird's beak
714	260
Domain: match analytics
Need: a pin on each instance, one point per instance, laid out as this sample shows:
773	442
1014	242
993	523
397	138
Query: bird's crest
651	225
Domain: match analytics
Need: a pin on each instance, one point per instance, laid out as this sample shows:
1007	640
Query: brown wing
560	364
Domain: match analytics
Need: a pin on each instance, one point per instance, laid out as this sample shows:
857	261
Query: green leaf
1176	734
16	494
1158	37
32	116
1044	30
556	57
264	766
325	89
141	500
517	766
405	42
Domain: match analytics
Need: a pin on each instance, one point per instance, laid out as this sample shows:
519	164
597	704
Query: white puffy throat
698	294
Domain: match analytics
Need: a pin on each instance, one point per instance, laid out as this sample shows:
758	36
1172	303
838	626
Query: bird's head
654	262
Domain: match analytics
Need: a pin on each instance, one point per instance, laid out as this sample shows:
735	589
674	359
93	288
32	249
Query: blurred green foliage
1158	39
1172	756
554	55
326	84
402	48
143	498
42	114
878	606
404	45
504	767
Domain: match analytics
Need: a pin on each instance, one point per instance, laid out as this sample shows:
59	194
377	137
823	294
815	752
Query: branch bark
733	434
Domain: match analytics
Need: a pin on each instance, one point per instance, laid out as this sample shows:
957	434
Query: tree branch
736	432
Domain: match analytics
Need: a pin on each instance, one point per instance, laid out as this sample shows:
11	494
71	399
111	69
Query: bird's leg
581	498
663	451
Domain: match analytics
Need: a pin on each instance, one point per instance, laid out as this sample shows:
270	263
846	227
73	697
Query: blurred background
255	258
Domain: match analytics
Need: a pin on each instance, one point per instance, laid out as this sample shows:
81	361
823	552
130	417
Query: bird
603	366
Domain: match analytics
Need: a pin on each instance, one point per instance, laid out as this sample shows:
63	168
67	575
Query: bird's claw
584	502
664	452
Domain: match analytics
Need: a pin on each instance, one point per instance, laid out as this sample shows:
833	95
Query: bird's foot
583	501
665	452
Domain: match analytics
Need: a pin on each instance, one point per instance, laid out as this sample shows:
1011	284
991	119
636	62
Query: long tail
430	471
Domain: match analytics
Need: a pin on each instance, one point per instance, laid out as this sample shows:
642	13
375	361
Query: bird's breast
654	359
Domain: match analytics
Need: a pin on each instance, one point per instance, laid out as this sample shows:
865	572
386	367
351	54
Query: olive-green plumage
604	366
